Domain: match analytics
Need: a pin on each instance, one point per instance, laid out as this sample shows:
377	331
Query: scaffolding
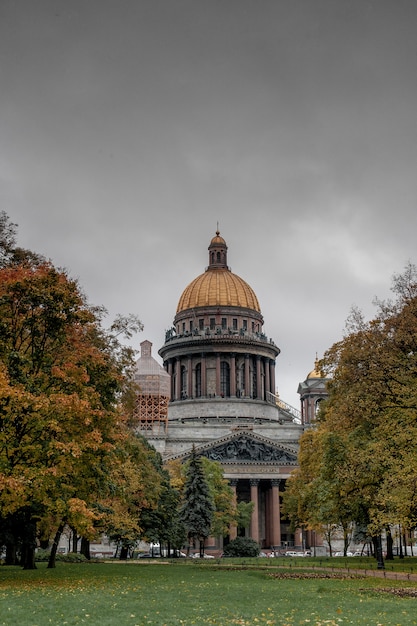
151	411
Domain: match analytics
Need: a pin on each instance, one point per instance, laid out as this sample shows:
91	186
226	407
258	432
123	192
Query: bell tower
312	391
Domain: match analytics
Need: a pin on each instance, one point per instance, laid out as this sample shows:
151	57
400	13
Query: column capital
254	482
275	482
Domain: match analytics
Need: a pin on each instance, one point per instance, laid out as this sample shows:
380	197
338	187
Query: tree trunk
378	551
29	544
52	556
74	541
405	544
85	548
390	542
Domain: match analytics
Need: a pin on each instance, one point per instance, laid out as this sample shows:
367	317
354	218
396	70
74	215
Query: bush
242	546
70	557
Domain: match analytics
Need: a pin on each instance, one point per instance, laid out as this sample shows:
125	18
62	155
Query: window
201	323
212	323
224	322
245	324
234	323
191	326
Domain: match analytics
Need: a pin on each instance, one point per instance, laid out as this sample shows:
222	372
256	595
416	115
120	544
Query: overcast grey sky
129	128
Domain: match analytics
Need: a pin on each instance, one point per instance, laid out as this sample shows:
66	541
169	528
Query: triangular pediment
246	448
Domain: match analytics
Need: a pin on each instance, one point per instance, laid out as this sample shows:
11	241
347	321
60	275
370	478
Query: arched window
224	379
198	380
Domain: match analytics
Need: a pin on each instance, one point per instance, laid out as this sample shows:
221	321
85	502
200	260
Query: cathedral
216	391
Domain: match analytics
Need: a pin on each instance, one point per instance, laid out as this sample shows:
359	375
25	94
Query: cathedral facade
222	398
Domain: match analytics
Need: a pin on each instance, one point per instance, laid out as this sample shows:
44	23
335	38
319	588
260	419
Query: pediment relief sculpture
244	448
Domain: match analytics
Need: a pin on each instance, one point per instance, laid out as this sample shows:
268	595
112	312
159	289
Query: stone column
203	376
272	375
268	516
217	374
254	527
276	514
189	378
170	372
267	378
247	376
178	380
258	378
233	529
233	375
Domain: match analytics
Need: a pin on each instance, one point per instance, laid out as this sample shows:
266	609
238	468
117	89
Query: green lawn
184	593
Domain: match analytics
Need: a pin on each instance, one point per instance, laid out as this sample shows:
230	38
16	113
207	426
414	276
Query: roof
218	286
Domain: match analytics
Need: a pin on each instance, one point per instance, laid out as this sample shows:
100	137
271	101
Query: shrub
242	546
70	557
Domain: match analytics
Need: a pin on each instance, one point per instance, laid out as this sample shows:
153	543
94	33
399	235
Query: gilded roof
315	373
218	287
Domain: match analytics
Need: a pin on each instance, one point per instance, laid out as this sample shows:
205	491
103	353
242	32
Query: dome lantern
217	252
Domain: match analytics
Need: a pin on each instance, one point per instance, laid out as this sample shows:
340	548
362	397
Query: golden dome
218	287
315	373
217	240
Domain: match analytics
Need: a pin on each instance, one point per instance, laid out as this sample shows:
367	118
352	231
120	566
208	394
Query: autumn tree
62	382
363	442
137	483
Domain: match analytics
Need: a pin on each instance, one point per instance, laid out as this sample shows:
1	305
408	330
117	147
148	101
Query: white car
205	556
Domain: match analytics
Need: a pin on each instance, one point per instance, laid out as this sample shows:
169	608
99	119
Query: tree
225	513
63	380
197	508
362	451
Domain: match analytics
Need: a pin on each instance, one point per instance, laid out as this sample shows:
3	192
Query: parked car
293	553
342	554
205	556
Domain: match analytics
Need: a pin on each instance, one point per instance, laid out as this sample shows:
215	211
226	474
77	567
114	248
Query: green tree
225	511
197	508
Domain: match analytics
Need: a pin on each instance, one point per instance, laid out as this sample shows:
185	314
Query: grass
407	564
185	593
